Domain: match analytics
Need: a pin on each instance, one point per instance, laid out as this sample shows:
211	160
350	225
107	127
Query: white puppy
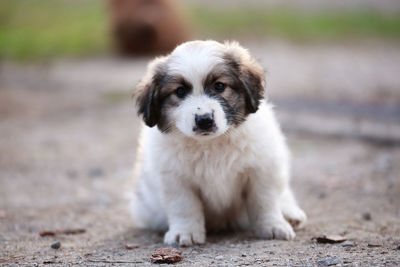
217	158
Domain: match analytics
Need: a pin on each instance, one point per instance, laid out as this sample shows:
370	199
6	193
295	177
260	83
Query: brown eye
180	92
219	87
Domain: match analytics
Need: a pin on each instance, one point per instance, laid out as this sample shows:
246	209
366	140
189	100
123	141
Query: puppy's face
201	89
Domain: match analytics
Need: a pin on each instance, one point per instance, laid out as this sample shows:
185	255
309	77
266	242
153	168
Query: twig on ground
112	261
62	232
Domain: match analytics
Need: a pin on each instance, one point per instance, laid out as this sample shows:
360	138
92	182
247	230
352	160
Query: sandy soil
68	136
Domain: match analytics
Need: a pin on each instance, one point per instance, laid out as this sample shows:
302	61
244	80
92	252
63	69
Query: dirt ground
67	147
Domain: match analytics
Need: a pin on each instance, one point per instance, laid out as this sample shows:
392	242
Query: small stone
347	261
329	261
196	248
96	172
398	247
244	255
348	243
220	257
56	245
131	246
49	262
367	216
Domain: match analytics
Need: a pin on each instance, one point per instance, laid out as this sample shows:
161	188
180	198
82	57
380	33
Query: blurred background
68	124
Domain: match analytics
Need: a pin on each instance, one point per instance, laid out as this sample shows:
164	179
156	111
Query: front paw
275	229
185	238
295	216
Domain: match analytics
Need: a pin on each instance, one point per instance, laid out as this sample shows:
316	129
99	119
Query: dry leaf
47	233
331	239
71	231
166	255
62	232
131	246
370	245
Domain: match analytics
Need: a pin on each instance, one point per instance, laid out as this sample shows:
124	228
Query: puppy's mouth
200	132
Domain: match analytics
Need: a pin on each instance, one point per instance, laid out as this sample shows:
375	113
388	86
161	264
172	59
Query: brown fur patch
156	98
232	98
251	79
244	82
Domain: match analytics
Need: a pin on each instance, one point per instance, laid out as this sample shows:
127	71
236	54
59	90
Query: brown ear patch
148	98
155	96
251	77
253	84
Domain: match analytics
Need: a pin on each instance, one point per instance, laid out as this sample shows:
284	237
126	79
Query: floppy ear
148	90
250	74
253	84
147	104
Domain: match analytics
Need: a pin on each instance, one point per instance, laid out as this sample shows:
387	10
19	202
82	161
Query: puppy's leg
264	209
146	208
185	216
291	211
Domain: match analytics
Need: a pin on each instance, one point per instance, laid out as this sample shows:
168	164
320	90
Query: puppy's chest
210	162
220	193
216	172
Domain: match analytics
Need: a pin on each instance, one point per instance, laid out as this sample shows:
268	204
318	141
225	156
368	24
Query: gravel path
68	136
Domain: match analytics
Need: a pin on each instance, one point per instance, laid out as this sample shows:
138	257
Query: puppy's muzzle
204	123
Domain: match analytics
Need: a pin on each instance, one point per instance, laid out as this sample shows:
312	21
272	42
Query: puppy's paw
275	229
185	238
295	216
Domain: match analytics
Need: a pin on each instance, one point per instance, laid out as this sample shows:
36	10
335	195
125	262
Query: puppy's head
201	89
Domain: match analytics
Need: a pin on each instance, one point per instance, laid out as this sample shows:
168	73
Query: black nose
204	122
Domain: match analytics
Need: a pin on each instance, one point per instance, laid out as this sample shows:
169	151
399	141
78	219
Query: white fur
237	178
194	59
198	105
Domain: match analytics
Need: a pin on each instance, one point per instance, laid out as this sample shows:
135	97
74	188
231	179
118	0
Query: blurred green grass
31	29
296	25
37	29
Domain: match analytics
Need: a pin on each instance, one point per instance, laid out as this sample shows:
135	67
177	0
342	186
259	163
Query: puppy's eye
219	87
180	92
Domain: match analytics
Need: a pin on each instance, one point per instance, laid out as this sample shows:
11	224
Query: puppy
212	155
